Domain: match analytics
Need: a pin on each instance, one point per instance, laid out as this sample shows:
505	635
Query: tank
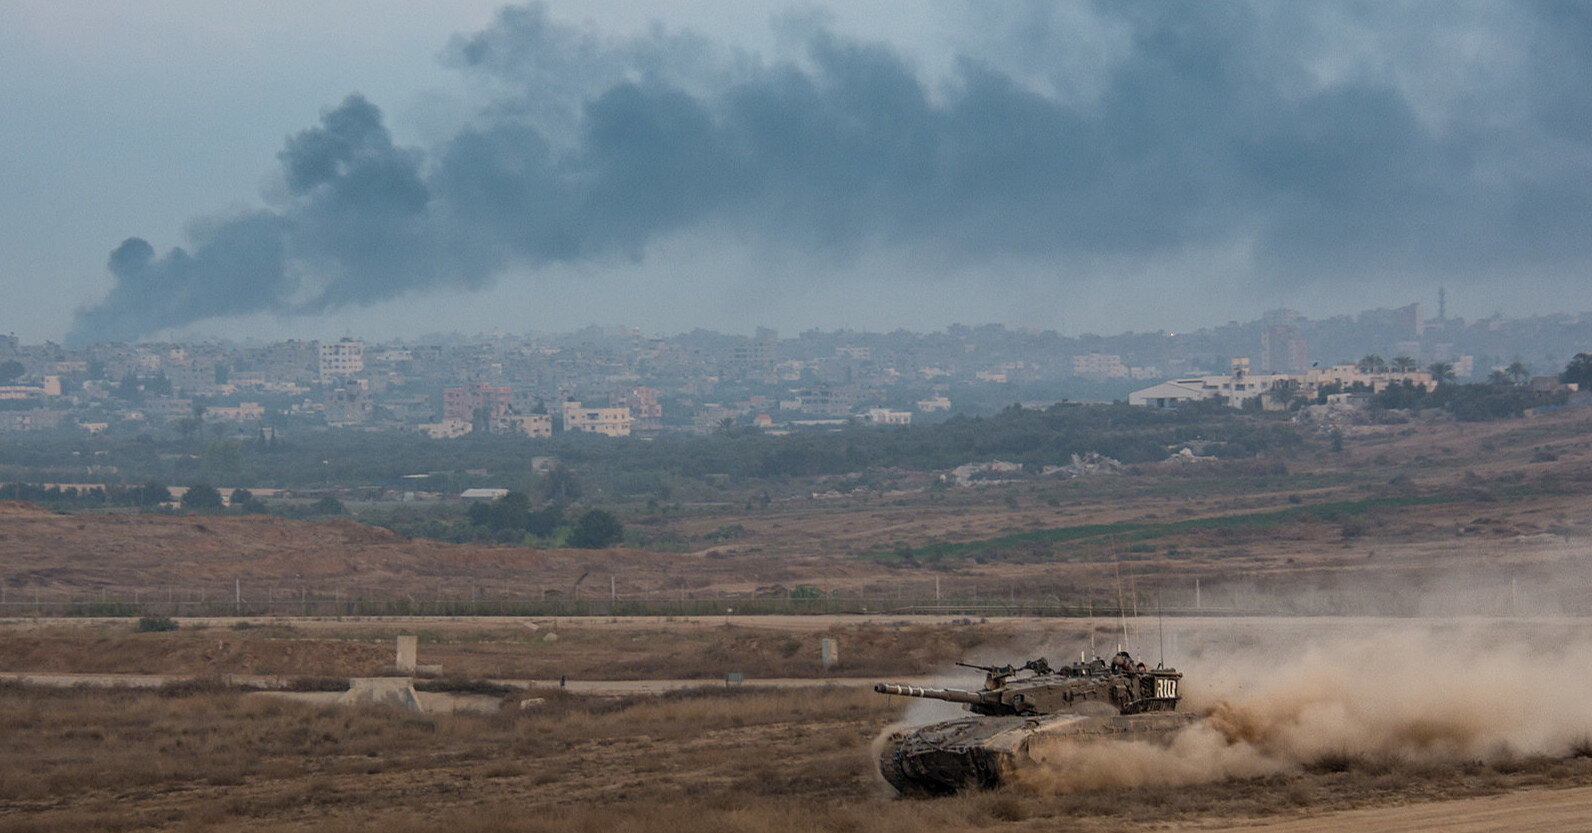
1019	711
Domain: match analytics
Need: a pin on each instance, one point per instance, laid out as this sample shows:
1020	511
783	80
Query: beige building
447	429
610	422
242	412
530	425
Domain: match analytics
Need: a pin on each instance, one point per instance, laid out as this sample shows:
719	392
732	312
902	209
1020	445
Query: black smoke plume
1116	131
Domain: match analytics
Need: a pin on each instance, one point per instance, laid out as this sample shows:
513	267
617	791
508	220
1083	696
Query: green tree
223	459
188	426
128	389
327	506
10	369
1404	364
510	511
1283	391
595	530
1442	372
1372	363
1578	372
240	497
1498	377
201	497
1518	372
153	493
560	484
545	521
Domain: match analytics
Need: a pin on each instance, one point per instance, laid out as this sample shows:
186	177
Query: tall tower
1442	303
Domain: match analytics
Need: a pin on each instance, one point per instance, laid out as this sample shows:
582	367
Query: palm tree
1404	364
1498	377
1372	363
1442	372
1518	372
1283	391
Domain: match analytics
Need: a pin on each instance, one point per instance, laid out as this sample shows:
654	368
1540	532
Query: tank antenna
1092	648
1160	627
1122	612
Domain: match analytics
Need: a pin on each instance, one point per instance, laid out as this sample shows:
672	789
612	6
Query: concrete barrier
387	691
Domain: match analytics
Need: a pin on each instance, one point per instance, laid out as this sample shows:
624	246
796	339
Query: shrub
156	624
202	497
327	506
596	529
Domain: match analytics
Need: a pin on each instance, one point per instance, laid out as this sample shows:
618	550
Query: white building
1099	366
885	416
1241	386
340	359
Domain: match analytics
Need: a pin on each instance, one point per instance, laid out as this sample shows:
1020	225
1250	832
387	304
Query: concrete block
408	653
386	691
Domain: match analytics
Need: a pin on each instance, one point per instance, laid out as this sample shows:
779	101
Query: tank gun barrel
955	695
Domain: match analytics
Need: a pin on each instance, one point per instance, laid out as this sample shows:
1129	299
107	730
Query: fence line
241	600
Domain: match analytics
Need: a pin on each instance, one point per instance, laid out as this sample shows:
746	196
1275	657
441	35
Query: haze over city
795	416
196	171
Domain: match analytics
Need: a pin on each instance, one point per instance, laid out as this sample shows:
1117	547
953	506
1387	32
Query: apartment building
610	422
341	359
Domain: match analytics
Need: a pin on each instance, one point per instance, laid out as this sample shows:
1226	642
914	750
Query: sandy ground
1531	811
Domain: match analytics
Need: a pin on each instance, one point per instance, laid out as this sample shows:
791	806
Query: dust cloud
1419	692
1280	695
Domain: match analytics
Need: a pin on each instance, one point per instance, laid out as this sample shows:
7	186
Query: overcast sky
388	168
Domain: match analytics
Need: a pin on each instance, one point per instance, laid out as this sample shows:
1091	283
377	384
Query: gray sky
384	168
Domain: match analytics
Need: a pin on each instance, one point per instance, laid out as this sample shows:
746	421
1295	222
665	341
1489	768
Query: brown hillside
154	555
1512	518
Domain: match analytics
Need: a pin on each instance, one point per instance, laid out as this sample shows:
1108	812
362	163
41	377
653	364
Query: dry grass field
1486	523
715	760
702	650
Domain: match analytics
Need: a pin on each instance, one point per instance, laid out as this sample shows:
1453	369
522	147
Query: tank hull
982	752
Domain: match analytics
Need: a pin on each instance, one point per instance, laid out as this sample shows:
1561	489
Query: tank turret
1037	688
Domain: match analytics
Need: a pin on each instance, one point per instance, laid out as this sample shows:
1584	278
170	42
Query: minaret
1442	304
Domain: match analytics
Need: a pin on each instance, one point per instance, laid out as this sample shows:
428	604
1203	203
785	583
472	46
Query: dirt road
604	688
1537	811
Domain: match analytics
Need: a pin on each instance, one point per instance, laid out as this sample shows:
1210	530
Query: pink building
461	403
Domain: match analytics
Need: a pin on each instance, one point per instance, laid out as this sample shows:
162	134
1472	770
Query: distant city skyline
1086	168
